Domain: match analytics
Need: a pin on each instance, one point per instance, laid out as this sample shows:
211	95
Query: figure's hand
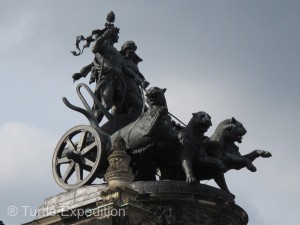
76	76
145	84
92	80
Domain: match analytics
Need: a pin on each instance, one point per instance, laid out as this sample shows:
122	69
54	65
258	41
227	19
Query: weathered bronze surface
156	144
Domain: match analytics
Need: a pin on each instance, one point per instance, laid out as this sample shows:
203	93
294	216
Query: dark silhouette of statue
155	143
134	100
108	73
115	72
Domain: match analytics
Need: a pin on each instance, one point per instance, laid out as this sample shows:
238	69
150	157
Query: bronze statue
116	73
134	100
155	143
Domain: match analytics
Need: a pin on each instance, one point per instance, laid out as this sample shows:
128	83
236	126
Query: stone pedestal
178	203
124	202
144	203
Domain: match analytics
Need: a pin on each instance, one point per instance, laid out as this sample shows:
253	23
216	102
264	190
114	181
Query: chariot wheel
76	157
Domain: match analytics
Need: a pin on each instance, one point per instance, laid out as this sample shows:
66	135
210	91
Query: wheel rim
76	157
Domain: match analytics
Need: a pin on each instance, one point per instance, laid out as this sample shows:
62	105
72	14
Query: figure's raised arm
100	41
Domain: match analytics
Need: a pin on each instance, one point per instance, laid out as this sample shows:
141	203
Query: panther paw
191	180
252	168
266	154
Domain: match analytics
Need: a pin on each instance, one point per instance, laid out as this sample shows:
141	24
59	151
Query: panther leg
221	182
187	167
249	165
257	153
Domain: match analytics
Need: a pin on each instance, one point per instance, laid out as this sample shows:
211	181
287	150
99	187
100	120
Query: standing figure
134	79
107	72
115	73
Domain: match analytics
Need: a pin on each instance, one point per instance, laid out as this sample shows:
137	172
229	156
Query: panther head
230	130
156	97
201	121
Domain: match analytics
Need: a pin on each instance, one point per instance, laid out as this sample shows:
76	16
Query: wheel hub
76	157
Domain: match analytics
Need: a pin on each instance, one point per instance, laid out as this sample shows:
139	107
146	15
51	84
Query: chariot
81	154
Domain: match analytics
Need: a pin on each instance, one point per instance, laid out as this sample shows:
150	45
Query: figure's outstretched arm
139	78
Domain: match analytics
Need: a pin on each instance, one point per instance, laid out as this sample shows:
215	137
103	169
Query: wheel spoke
71	144
82	141
88	148
69	172
63	160
79	173
88	162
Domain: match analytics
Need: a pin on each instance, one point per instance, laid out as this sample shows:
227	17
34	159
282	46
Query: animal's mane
218	134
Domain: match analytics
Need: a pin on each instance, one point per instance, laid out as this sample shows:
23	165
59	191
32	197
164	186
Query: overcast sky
228	58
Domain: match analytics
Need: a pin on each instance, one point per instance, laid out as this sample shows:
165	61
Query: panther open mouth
239	138
204	127
155	97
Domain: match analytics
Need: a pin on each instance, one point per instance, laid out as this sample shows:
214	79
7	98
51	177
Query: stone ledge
153	192
70	199
169	186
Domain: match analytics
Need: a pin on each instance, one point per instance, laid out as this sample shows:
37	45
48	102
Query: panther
194	155
226	134
147	137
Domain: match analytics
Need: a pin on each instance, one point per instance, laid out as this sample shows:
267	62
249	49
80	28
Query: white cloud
25	168
26	150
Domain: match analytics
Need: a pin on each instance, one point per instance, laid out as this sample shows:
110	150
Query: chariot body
81	154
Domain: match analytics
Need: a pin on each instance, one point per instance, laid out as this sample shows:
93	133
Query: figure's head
156	97
128	48
128	51
230	130
200	121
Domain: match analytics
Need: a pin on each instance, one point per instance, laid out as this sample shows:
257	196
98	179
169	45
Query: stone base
180	203
157	203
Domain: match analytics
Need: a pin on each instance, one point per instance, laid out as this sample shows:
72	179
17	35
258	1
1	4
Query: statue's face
156	96
130	52
202	121
170	217
235	131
